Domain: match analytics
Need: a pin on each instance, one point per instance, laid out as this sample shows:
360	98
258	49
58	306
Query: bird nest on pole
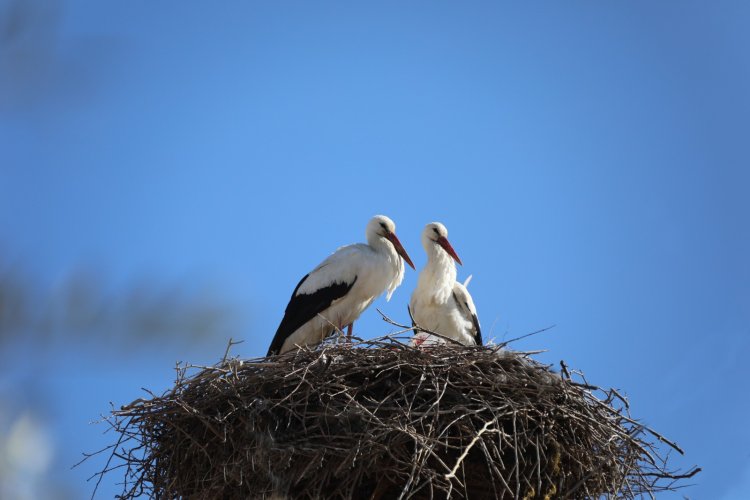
382	419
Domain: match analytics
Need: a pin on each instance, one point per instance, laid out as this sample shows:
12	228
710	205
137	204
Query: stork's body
337	291
440	304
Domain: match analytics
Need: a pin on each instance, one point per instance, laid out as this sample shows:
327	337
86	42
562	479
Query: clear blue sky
590	160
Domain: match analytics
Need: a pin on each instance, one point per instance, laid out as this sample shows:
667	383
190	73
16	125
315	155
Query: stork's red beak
400	249
443	242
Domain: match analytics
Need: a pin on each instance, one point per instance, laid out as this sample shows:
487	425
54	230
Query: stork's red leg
349	332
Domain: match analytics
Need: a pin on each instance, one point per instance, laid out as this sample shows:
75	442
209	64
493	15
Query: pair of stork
334	294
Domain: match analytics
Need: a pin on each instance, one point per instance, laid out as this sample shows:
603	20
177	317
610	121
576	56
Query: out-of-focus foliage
38	65
83	306
26	455
42	319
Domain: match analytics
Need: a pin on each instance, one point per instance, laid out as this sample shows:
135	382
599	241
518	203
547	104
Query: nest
380	419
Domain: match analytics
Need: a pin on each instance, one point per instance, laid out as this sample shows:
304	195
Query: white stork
440	304
335	293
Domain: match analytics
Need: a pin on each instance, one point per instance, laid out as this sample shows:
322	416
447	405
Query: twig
484	429
229	346
506	342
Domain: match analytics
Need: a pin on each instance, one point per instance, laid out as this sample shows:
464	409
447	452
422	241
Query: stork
335	293
440	304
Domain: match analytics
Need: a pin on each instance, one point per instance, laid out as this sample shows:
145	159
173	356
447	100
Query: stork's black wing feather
411	315
478	333
474	319
304	307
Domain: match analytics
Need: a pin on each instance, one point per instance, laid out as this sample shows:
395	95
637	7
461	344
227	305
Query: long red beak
400	249
443	242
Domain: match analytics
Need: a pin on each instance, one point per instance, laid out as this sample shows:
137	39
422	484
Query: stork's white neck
439	275
383	247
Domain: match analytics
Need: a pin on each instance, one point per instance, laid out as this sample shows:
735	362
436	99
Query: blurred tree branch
84	307
41	64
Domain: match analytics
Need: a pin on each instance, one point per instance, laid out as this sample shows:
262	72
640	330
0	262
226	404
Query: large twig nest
384	420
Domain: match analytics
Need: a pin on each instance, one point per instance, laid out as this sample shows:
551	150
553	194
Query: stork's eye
436	231
382	224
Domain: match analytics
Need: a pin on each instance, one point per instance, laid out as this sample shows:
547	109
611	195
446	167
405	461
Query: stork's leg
349	331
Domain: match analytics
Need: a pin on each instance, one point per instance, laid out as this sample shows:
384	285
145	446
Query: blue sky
590	160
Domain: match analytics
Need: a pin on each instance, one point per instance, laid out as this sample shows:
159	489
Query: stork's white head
435	238
381	227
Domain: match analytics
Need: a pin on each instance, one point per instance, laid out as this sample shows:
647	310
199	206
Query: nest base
381	419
